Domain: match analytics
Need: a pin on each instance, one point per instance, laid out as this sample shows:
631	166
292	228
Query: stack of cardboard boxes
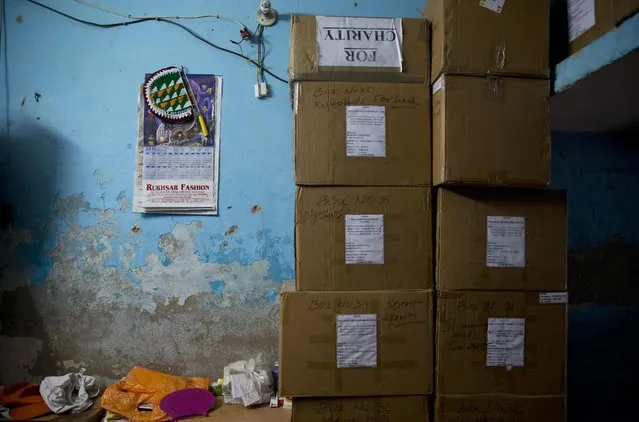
356	337
359	338
500	341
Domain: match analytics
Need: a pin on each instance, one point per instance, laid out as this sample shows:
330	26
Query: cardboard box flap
338	409
501	239
391	354
491	131
500	408
501	343
514	37
357	133
363	238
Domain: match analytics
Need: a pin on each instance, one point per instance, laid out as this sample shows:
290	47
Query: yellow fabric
145	386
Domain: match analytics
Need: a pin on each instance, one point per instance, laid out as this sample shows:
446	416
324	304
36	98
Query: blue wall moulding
185	294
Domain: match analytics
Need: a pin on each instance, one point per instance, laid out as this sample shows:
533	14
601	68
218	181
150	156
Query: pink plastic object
190	402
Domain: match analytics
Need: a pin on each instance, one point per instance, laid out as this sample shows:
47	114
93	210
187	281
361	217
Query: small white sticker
296	97
581	17
365	131
357	341
359	42
494	5
364	239
439	84
505	342
506	242
554	297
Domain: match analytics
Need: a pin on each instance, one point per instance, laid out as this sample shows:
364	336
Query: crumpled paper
69	393
246	382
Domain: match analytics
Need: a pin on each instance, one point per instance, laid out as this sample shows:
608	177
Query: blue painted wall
601	174
84	280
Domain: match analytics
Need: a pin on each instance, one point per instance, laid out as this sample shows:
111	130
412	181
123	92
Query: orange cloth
24	400
145	386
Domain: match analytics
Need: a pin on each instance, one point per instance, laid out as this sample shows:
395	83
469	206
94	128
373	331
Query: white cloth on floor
71	392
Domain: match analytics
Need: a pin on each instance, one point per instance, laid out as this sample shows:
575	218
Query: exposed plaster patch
231	231
99	177
124	201
255	209
65	208
164	315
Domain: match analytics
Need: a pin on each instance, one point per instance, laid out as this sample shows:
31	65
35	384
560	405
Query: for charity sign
359	42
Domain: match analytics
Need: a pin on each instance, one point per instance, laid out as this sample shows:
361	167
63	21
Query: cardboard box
356	343
491	131
480	37
501	343
363	238
338	409
349	133
588	20
494	408
359	49
501	239
624	9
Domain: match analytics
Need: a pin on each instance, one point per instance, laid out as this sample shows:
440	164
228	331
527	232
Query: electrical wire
128	16
194	34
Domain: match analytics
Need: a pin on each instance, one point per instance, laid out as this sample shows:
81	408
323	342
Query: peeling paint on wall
175	311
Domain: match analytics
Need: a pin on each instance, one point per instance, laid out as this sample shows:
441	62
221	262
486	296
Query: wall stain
231	231
255	209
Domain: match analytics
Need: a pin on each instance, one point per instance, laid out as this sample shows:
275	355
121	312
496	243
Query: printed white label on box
364	238
359	42
366	131
494	5
581	17
357	341
553	297
506	242
505	342
439	84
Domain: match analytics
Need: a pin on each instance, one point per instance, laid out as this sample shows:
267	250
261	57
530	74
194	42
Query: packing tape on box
500	55
494	89
423	33
378	372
